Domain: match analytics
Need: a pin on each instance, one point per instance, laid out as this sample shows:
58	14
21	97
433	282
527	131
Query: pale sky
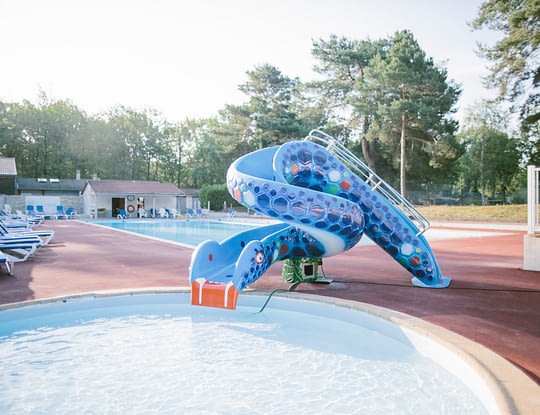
187	58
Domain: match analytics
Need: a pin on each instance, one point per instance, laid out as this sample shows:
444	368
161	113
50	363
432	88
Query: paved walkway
491	299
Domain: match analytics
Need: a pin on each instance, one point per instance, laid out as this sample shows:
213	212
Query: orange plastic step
213	294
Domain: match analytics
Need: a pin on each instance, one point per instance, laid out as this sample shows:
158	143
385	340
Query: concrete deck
491	300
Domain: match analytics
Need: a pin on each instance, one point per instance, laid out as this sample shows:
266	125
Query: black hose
291	288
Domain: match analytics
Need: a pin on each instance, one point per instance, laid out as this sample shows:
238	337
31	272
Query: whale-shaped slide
323	208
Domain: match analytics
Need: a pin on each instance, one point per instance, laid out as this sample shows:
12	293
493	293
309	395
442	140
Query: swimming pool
185	232
154	353
191	233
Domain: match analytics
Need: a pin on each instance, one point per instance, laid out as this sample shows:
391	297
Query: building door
117	204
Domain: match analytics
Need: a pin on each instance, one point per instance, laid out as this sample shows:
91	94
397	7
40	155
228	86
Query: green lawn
498	213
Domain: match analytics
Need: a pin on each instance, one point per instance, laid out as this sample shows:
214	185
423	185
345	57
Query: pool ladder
377	184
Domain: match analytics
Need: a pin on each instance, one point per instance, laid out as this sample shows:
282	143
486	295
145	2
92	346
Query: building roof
190	192
50	184
134	187
8	166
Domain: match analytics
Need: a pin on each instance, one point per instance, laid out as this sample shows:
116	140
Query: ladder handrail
376	183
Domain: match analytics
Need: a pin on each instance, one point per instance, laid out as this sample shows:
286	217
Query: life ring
131	208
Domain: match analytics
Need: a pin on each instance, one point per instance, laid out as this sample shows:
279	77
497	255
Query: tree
139	140
206	164
515	59
343	63
408	97
491	160
11	144
272	117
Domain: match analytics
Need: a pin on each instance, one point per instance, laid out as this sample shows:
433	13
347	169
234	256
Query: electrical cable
518	290
291	288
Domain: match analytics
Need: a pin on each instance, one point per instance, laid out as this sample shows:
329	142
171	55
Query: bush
216	194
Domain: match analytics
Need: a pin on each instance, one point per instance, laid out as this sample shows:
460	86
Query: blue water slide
324	208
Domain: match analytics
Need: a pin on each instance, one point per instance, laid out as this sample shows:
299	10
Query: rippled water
156	354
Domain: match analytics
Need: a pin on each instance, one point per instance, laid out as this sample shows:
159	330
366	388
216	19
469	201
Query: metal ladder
377	184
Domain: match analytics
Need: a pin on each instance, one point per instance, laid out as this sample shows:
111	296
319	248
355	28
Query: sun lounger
6	263
44	236
19	250
122	214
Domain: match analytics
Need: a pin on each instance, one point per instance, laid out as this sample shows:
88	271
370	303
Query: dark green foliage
216	194
515	69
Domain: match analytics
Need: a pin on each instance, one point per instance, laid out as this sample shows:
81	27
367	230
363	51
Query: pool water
186	232
192	232
155	353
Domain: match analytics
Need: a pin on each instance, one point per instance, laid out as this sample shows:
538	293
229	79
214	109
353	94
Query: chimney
78	175
94	176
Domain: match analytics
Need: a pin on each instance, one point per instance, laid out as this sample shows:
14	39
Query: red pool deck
491	300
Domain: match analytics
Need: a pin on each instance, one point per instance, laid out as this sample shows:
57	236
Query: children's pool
155	353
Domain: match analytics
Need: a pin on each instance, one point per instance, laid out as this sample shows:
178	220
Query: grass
497	213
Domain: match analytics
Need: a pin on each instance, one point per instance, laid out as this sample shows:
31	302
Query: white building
104	198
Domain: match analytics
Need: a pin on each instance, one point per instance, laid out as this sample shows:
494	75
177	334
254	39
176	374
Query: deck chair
18	249
142	213
122	214
163	213
44	236
231	212
6	263
71	213
189	213
40	210
60	213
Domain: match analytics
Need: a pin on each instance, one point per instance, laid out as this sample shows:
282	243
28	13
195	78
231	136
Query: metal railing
377	184
533	193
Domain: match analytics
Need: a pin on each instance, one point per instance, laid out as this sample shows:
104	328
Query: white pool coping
501	386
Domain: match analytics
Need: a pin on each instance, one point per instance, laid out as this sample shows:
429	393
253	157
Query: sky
186	58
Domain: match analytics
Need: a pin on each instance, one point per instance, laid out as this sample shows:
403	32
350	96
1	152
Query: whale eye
259	258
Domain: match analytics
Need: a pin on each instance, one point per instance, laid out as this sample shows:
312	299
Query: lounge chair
7	263
41	212
231	212
18	251
19	248
44	236
163	213
16	224
71	213
60	213
142	213
189	213
122	214
30	210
